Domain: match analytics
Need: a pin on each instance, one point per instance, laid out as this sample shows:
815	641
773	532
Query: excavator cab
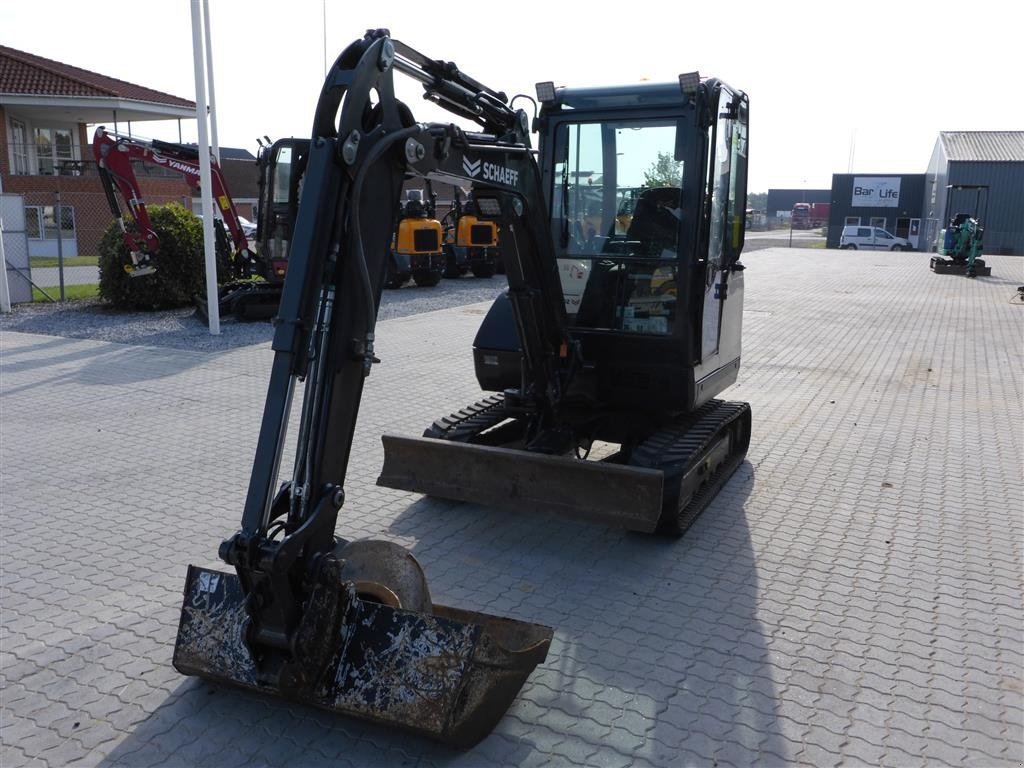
644	188
281	166
656	304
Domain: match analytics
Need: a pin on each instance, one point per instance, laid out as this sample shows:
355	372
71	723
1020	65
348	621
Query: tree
666	171
757	200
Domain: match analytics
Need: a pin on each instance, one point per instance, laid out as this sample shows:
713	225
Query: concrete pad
852	596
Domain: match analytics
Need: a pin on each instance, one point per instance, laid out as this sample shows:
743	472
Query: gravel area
185	329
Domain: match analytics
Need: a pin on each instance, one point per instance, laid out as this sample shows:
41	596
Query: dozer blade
448	674
592	491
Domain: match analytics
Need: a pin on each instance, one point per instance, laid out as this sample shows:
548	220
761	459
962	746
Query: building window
855	220
55	150
41	222
19	149
878	221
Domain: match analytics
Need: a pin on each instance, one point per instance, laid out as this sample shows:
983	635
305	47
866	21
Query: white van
872	238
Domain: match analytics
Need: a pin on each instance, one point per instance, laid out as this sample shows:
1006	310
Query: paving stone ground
852	597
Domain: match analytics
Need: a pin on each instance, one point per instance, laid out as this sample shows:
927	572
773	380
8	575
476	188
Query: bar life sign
876	192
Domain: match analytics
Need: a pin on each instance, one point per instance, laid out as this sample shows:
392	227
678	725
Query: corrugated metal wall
1004	218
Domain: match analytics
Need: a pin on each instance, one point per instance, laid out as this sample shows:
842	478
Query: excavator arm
507	190
115	154
325	327
307	615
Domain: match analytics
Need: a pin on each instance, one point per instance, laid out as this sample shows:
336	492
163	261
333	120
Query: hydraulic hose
298	504
371	305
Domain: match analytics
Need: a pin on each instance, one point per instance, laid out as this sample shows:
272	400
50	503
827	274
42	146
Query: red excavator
115	156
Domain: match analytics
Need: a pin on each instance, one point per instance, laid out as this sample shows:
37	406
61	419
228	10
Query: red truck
810	215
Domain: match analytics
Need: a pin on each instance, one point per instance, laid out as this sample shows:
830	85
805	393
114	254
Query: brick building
45	108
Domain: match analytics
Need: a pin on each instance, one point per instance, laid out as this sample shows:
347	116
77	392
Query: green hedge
180	266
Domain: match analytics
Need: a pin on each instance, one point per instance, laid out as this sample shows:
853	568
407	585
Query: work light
546	91
689	82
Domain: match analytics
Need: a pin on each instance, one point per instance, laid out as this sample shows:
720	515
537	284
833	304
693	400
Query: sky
863	87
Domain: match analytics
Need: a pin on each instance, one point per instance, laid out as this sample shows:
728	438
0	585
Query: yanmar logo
187	169
490	172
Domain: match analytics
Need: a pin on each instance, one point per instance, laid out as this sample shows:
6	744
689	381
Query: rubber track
471	420
673	450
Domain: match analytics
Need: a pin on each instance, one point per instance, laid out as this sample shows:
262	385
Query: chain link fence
15	248
64	214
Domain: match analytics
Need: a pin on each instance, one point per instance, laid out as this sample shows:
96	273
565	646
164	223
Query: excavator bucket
446	673
591	491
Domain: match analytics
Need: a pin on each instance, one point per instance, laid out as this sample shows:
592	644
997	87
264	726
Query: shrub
180	267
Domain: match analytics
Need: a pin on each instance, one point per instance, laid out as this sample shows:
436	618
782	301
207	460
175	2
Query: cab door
722	313
728	185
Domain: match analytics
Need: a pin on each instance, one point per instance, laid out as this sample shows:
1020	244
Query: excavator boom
346	625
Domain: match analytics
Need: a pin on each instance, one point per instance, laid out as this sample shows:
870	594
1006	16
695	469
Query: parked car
872	238
248	228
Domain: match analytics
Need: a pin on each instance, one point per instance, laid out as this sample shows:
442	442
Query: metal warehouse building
782	200
963	165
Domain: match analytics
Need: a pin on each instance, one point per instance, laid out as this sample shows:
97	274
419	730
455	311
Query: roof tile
28	74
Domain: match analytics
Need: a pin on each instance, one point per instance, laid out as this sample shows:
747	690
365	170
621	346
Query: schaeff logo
491	172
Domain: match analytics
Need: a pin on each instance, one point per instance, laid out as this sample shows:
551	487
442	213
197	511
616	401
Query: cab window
616	211
282	174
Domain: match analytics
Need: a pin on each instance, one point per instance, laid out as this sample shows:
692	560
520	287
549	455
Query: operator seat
654	225
653	231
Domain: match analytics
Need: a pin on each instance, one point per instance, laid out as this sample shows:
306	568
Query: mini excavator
961	243
417	252
350	626
116	155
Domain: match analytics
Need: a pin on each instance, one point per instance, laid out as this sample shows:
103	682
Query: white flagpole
214	143
205	184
